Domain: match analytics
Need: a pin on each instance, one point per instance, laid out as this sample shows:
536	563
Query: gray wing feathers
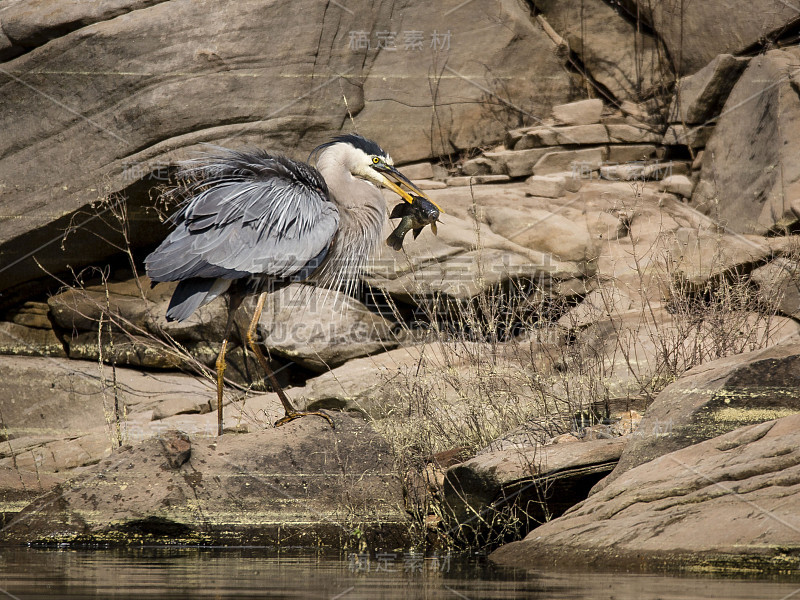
187	298
247	215
193	293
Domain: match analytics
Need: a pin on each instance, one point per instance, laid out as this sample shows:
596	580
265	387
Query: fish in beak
413	217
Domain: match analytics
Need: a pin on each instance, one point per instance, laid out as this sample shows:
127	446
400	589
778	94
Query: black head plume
355	140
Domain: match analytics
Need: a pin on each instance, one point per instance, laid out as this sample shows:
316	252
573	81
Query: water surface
243	573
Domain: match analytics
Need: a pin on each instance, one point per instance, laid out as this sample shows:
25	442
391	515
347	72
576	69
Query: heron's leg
291	413
234	301
220	382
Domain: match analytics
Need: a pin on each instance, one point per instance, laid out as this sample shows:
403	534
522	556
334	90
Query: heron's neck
362	209
362	216
346	191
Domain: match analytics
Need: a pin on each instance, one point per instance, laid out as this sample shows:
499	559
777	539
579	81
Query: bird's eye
375	160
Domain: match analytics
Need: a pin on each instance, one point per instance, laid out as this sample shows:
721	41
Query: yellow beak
403	180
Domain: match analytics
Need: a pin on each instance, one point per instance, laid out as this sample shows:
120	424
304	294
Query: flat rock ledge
531	483
731	503
302	484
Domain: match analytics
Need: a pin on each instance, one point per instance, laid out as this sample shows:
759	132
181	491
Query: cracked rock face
610	46
695	32
750	178
101	98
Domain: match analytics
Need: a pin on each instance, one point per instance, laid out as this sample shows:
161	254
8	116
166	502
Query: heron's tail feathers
193	293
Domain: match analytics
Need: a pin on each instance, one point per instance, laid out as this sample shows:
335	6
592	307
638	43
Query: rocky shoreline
595	364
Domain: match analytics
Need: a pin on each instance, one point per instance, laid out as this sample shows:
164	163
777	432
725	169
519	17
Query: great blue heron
252	222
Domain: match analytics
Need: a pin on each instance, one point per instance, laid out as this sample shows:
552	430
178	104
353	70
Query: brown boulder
514	163
540	482
700	97
575	161
18	487
322	329
699	254
124	350
729	502
449	265
750	179
301	484
56	396
716	398
580	135
582	112
20	340
33	24
780	279
544	231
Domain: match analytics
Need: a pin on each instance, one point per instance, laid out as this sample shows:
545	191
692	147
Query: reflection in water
263	573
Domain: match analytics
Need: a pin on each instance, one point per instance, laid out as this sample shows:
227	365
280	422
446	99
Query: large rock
632	133
583	112
482	166
574	161
59	414
18	487
716	398
698	254
628	346
750	180
140	334
677	184
624	59
20	340
30	25
301	484
31	314
700	97
729	502
469	274
544	231
362	385
120	129
646	238
539	481
696	32
582	135
547	186
126	305
124	350
322	329
514	163
779	280
462	261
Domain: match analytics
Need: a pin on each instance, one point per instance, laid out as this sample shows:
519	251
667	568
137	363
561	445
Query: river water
242	573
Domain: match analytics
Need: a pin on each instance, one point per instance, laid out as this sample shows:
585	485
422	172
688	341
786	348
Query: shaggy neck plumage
362	216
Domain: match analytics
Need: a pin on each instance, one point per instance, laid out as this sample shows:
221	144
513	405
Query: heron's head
365	159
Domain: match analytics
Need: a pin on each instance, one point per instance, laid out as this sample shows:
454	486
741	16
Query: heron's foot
291	416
